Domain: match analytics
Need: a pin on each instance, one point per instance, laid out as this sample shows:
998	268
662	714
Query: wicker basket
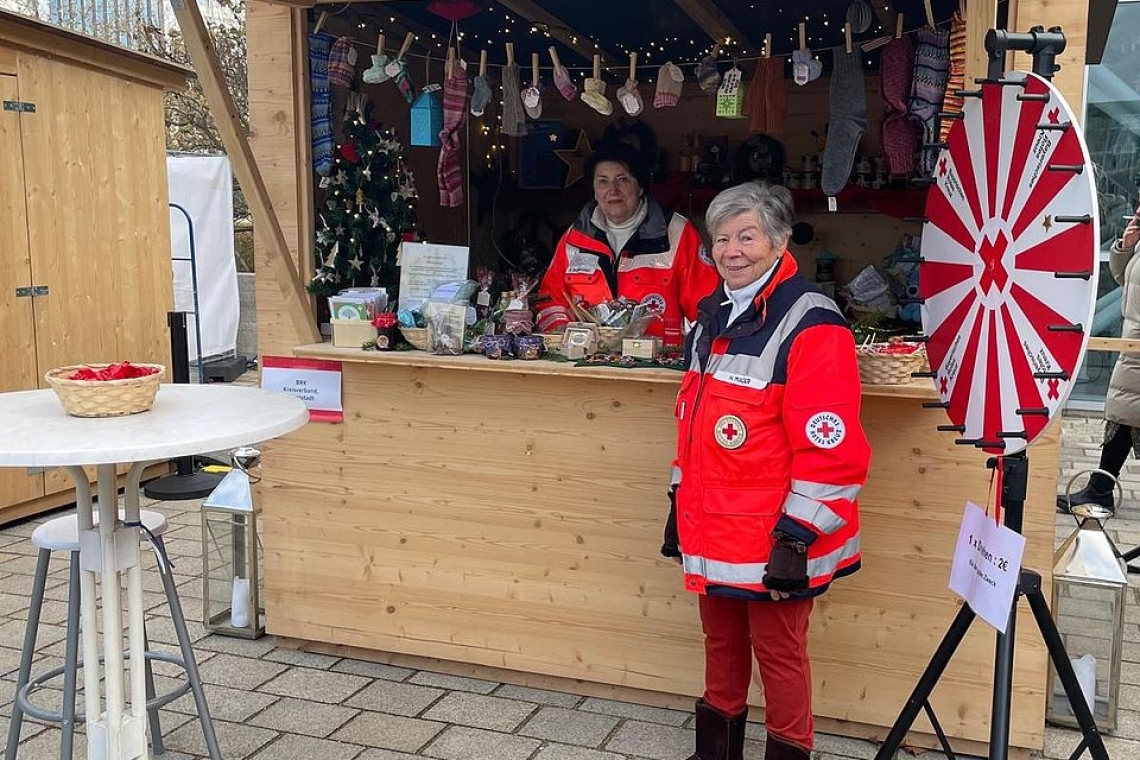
877	368
417	336
104	398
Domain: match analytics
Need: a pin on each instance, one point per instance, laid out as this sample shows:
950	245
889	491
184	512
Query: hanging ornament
360	198
325	182
356	262
575	158
374	217
330	260
367	173
341	177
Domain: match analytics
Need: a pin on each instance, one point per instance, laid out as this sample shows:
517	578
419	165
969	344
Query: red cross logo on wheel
730	432
942	168
1054	392
943	385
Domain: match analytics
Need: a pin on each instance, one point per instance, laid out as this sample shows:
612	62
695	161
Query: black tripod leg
1065	673
926	684
1003	688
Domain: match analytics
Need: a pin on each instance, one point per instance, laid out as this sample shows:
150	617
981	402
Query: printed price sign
987	563
314	381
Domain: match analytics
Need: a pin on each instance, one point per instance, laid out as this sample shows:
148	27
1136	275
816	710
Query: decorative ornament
325	182
341	177
356	262
367	173
575	158
330	260
374	217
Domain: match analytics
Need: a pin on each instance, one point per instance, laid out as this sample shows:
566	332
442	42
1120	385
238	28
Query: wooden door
18	369
98	220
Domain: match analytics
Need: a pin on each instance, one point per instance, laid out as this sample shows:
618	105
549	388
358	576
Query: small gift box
387	331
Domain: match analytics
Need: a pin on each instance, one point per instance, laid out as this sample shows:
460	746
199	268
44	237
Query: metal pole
194	290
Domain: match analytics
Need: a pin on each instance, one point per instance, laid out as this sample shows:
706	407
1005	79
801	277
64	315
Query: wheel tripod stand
1015	471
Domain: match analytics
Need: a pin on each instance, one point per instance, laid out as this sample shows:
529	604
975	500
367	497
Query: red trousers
777	633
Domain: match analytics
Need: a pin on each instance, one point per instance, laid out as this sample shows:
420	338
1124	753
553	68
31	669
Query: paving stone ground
271	703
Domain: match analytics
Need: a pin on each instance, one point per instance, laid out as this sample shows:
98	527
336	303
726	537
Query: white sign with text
314	381
987	563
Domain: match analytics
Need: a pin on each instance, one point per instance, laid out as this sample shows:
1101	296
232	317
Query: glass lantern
231	552
1090	588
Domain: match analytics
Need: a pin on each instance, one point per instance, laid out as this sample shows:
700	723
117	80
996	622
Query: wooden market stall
84	226
503	519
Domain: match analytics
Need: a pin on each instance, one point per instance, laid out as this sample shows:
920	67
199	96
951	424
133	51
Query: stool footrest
23	696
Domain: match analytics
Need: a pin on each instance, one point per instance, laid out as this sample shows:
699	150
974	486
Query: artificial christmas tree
369	209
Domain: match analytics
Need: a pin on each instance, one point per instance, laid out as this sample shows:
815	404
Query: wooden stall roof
23	32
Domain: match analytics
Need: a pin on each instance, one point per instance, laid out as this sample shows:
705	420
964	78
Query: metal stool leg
34	608
71	662
179	621
153	719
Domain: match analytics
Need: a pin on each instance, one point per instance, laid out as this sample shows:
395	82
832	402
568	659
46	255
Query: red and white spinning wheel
1010	254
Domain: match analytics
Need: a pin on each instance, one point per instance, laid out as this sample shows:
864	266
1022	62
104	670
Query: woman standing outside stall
624	244
770	458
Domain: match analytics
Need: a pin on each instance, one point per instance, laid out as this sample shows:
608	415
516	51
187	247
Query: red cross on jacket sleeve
830	452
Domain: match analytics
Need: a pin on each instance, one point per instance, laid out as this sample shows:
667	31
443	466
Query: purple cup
497	346
529	347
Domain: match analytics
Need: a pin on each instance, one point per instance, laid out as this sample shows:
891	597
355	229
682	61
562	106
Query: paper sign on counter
314	381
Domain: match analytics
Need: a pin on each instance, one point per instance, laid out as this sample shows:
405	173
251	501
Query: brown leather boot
776	749
718	737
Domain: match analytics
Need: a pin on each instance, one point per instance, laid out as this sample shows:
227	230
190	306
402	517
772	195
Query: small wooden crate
352	333
104	398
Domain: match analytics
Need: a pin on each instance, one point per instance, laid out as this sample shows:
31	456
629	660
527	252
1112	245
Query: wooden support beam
981	16
714	23
205	60
531	11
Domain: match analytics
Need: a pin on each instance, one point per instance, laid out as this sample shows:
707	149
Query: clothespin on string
633	66
768	45
597	66
449	65
482	63
321	19
803	35
534	69
380	44
898	26
847	35
409	38
929	14
510	54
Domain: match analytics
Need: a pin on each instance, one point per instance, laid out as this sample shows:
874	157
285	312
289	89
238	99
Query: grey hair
772	204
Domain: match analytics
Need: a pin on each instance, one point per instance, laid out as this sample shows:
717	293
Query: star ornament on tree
575	158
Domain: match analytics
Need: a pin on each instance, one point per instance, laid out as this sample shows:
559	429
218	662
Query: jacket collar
652	236
707	310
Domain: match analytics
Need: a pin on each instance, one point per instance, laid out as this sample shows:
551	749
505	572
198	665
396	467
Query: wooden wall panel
1072	17
275	100
18	369
513	521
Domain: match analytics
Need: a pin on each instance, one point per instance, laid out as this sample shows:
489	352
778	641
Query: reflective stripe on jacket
663	264
769	437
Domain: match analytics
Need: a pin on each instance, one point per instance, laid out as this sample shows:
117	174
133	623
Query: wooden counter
508	515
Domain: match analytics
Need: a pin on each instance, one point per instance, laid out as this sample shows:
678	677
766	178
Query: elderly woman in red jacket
624	244
770	459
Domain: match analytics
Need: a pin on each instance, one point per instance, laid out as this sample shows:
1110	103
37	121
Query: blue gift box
427	120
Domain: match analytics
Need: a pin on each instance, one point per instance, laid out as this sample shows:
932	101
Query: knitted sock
342	63
594	95
532	101
403	80
899	134
848	103
708	77
767	99
670	80
564	83
514	119
630	98
480	96
952	103
931	70
449	170
319	46
376	74
805	68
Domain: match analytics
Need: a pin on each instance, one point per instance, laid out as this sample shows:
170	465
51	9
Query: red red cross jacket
664	263
769	437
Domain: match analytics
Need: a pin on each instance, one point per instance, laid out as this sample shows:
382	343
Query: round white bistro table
185	420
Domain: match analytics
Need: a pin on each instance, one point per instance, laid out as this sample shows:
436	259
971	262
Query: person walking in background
1122	406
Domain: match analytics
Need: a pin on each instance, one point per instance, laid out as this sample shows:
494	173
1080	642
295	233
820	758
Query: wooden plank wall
1072	17
514	522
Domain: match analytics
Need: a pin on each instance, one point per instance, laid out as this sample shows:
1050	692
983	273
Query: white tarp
203	185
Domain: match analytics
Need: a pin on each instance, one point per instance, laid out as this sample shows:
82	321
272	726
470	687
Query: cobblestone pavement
271	703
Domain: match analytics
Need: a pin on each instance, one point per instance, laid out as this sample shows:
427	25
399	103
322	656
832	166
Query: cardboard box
640	348
352	333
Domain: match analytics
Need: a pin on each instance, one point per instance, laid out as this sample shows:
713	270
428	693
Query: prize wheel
1010	261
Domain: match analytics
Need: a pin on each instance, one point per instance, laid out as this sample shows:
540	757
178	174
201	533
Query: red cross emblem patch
826	430
730	432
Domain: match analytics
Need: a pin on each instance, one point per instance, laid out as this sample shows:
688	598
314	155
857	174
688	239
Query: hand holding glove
670	547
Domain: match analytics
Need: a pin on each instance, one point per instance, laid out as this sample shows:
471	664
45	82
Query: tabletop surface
185	419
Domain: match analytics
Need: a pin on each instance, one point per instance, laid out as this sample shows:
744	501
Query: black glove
671	545
787	566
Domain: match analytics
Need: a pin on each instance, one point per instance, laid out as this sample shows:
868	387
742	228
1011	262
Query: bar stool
62	534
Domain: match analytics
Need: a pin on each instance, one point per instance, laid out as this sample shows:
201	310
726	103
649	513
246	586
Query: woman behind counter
624	244
770	458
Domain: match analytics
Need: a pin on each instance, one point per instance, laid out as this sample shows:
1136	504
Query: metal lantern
231	552
1090	588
